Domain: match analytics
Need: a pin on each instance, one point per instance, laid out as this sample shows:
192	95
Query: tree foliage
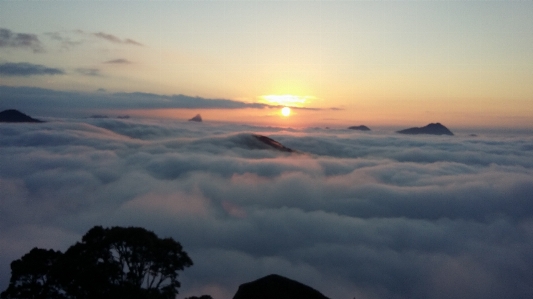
108	263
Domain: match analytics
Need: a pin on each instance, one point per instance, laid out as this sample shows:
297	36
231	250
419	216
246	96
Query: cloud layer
364	215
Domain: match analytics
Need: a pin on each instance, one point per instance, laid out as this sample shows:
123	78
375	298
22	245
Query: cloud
24	69
39	100
64	39
114	39
92	72
371	215
46	102
118	61
10	39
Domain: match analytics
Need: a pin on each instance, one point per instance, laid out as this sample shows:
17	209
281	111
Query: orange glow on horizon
287	100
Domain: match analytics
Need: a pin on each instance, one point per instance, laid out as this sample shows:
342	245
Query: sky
378	63
371	215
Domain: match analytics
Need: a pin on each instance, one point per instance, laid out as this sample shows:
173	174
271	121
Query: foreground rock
15	116
196	118
276	287
432	129
359	128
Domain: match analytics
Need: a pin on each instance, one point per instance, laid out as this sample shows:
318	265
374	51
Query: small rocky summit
359	128
276	287
432	129
196	118
15	116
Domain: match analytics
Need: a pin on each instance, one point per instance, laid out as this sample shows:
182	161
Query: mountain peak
197	118
15	116
432	129
272	143
359	128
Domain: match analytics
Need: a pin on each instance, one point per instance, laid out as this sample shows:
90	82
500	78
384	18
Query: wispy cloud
114	39
64	39
92	72
24	69
118	61
10	39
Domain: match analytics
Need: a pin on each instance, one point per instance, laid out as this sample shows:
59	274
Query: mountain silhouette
272	143
359	128
432	129
197	118
15	116
276	287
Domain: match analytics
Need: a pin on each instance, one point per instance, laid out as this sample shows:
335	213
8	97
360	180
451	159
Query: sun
286	111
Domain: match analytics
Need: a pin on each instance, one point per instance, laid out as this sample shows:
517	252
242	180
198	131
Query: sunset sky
372	215
463	63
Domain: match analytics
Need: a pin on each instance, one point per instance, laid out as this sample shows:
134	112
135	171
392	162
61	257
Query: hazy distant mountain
15	116
272	143
359	128
433	129
197	118
276	287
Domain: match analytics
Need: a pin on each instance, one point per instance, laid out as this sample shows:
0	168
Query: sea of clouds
352	214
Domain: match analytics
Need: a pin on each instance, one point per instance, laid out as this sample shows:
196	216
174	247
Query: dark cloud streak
23	69
10	39
29	98
118	61
114	39
91	72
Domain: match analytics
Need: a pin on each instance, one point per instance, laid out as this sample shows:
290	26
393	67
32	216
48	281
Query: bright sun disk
286	111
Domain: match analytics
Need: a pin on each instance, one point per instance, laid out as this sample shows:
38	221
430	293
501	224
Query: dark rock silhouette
359	128
197	118
15	116
432	129
276	287
272	143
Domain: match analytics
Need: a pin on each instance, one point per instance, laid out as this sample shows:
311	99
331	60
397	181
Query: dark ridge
197	118
273	143
359	128
432	129
98	116
276	287
15	116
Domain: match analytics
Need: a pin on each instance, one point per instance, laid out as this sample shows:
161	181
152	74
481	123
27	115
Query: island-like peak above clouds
432	129
272	143
276	287
15	116
196	118
359	128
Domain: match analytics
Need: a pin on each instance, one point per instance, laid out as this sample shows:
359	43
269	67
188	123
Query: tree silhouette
108	263
31	276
